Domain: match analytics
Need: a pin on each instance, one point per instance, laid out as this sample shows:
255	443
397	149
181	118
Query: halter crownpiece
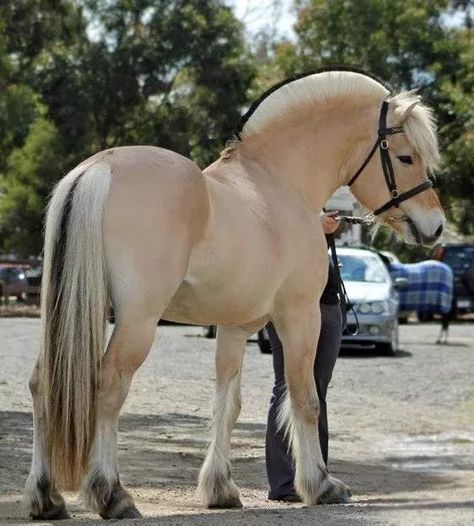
382	145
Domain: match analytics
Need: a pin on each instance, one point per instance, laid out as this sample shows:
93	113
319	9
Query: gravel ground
402	431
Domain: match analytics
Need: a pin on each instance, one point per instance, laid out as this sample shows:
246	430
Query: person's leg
279	462
326	356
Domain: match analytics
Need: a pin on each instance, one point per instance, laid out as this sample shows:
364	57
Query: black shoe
291	498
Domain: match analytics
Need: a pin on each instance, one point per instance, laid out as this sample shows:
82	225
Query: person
279	462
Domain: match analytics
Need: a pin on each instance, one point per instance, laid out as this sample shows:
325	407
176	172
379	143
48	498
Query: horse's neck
315	153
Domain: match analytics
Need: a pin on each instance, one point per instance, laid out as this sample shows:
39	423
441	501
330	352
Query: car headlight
372	307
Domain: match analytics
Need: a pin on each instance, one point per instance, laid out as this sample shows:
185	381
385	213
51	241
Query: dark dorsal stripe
59	251
351	69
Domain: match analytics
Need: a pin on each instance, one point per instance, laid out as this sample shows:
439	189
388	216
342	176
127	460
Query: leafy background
77	76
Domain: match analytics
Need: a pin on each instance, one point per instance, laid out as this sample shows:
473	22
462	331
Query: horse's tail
73	310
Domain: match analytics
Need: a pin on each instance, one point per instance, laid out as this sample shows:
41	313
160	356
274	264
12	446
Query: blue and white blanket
429	289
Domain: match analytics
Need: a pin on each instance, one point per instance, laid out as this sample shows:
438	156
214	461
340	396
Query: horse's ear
403	113
406	111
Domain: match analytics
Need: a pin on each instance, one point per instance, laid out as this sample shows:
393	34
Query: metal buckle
395	193
384	144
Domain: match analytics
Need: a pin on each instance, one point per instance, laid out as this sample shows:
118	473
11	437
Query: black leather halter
382	144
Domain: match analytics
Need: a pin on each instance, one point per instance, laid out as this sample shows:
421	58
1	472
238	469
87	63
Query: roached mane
295	93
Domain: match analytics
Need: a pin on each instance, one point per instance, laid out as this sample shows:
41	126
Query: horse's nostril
439	231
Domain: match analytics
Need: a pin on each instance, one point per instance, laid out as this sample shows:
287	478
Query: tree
103	73
172	73
25	186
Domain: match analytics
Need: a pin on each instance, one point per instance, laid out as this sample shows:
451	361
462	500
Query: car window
367	268
459	257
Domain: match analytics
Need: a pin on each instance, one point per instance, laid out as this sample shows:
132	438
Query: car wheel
391	347
386	348
264	342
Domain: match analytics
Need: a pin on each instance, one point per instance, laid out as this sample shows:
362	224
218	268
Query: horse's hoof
52	514
129	513
231	502
336	492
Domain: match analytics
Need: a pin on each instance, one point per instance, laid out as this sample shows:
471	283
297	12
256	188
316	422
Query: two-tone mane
235	245
295	94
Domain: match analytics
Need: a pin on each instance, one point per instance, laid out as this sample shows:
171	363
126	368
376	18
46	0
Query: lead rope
344	298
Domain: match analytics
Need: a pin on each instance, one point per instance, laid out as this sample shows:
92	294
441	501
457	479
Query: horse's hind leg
216	487
128	347
41	498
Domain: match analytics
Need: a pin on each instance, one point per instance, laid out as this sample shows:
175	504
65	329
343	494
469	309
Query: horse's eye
405	159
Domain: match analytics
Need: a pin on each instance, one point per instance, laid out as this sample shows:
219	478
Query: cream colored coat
235	245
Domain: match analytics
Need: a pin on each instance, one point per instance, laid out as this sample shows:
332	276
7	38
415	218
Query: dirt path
402	432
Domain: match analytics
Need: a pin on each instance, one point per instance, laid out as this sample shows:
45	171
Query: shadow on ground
161	450
373	353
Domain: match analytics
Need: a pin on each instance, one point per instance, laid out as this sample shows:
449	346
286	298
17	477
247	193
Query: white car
374	298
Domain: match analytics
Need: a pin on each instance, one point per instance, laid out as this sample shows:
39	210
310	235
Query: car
373	298
33	284
13	281
460	257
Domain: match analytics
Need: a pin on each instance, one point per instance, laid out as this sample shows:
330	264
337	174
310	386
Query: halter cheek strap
382	145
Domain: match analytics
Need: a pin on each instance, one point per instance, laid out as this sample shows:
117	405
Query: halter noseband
382	144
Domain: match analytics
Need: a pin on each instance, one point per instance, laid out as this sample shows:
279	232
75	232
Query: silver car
374	299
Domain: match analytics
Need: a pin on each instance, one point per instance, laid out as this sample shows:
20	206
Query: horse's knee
304	399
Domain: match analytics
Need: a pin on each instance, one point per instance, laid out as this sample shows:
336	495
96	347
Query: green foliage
27	181
19	108
30	26
105	73
410	44
395	39
80	76
150	65
457	132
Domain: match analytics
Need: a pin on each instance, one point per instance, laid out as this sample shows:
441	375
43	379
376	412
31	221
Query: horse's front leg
216	487
299	329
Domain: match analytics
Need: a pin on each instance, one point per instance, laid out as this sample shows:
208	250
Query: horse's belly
206	304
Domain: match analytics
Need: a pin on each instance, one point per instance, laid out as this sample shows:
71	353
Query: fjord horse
236	245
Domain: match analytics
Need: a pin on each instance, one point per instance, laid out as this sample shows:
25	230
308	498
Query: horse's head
393	182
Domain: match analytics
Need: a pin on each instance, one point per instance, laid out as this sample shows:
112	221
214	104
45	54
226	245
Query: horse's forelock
419	126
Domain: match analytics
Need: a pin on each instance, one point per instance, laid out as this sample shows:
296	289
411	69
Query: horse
237	244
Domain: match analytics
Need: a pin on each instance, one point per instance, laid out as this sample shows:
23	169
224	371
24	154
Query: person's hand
330	221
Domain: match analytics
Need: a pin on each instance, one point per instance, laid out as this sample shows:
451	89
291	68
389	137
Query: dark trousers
280	470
